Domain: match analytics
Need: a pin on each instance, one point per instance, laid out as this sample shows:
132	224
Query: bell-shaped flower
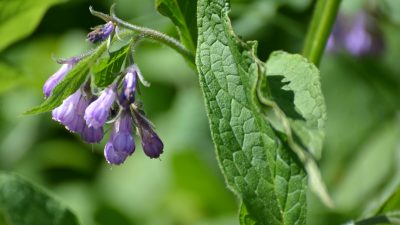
121	143
91	134
55	79
101	33
69	113
97	112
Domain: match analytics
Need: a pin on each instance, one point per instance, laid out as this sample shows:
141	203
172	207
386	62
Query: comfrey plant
86	113
267	119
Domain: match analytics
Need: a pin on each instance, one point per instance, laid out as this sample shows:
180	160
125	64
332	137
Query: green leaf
244	216
72	81
387	218
294	105
183	15
23	203
19	18
10	77
258	167
306	111
105	71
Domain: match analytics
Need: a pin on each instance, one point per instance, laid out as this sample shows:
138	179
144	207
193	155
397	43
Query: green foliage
19	18
183	15
72	81
9	77
23	203
299	111
106	70
258	167
301	80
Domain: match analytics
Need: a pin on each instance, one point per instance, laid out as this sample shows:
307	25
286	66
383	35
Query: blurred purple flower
121	143
54	79
359	35
97	112
101	33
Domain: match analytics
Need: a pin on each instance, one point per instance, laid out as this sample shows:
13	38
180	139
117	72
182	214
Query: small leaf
105	71
72	81
295	107
183	15
23	203
19	18
301	78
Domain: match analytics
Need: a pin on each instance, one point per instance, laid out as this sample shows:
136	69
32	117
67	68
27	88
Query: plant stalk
320	28
147	33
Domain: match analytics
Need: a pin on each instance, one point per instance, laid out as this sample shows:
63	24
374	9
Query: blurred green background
361	155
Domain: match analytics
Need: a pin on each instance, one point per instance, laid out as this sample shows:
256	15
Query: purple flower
121	143
363	38
97	112
101	33
69	113
91	134
52	82
359	35
151	143
113	157
127	95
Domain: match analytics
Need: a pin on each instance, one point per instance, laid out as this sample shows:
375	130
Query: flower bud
101	33
127	95
151	143
54	79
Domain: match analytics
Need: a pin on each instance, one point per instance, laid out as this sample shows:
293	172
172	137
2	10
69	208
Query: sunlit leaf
19	18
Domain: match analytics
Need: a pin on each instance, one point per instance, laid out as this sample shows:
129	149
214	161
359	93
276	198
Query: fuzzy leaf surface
23	203
105	71
263	172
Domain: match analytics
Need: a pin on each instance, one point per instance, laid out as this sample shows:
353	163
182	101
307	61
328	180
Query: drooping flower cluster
359	35
86	114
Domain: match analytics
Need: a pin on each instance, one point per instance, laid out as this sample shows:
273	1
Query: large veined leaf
22	203
18	18
258	167
183	15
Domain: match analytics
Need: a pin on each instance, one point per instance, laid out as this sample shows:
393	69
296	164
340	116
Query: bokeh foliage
361	150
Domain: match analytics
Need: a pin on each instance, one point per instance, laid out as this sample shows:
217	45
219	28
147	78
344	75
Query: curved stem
147	32
321	24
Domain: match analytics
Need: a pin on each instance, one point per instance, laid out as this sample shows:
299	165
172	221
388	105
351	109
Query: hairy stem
147	33
320	27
